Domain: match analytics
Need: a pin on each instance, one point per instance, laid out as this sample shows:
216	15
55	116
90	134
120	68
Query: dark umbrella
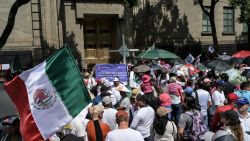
246	73
141	68
155	67
224	57
218	65
7	106
246	61
176	61
236	61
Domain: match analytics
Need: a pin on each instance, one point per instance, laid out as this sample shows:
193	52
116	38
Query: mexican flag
48	96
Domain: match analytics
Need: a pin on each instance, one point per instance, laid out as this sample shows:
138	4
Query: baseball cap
232	97
116	79
242	101
106	100
220	82
207	80
188	90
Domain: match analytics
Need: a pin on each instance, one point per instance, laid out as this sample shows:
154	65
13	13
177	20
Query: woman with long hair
185	125
232	130
164	129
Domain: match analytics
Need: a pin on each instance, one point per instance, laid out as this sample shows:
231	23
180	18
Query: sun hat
135	92
232	97
145	78
146	88
96	110
165	99
122	88
106	100
242	101
163	111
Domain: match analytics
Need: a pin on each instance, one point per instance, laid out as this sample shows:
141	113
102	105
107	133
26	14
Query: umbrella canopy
246	73
155	67
242	54
202	67
218	65
176	61
236	61
235	77
224	57
7	106
157	54
141	68
247	61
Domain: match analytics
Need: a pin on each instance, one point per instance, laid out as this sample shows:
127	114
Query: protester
175	91
146	87
244	115
89	80
96	129
191	113
166	102
114	90
11	129
124	102
218	97
228	86
231	99
109	113
123	133
164	129
232	130
203	98
144	118
133	105
244	91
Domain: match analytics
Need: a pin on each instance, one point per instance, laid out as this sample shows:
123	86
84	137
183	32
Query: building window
245	28
228	19
206	26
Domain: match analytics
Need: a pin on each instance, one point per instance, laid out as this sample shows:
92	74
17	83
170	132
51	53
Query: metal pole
124	54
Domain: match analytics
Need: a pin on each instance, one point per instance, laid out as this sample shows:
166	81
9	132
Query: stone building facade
93	27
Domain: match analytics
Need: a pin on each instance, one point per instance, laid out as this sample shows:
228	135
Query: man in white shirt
218	96
123	133
109	113
203	98
143	118
242	106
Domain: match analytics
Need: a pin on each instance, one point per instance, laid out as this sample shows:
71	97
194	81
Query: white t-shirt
124	135
218	98
245	123
143	120
109	117
204	98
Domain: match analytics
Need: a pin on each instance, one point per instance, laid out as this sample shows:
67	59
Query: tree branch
11	21
203	7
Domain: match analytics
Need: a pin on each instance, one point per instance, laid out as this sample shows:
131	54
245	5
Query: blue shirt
244	93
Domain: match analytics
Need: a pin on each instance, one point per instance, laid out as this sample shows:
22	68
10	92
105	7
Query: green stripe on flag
66	78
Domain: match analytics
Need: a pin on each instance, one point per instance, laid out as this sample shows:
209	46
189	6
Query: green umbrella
157	54
235	76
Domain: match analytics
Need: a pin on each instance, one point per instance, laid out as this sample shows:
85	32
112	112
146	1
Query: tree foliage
244	7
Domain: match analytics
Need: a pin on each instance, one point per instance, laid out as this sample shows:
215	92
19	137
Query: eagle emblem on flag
43	99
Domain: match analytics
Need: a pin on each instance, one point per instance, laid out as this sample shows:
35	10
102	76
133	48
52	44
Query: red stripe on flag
18	93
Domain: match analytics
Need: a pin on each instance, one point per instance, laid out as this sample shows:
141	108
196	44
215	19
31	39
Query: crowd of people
160	105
